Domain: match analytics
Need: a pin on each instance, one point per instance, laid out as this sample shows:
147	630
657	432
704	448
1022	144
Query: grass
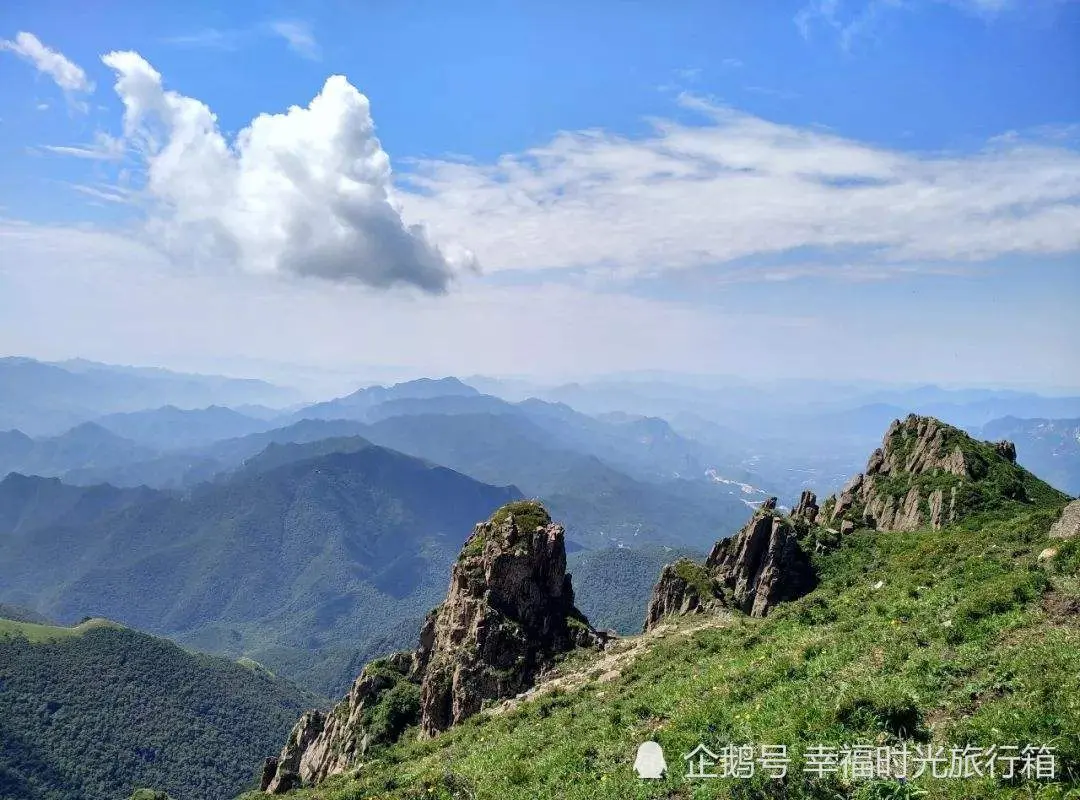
956	646
529	515
51	633
696	576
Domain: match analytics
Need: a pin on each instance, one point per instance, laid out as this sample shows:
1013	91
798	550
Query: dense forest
95	712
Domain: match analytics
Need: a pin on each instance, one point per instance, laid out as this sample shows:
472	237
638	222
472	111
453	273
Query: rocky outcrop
383	701
685	587
806	510
508	612
762	565
918	478
1068	525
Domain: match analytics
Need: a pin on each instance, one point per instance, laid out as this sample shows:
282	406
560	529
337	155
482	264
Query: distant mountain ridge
42	399
1048	447
273	562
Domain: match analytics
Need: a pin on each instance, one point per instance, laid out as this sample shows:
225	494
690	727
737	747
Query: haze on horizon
844	191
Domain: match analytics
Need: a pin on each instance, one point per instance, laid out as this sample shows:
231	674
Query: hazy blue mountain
20	614
172	428
1048	447
599	504
357	405
46	399
298	560
86	446
645	447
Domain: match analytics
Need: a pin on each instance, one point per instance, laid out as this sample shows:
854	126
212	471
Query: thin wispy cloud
210	38
779	94
107	192
296	34
853	21
104	148
739	186
68	75
298	37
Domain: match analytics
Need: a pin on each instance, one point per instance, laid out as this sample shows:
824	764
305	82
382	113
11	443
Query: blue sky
881	189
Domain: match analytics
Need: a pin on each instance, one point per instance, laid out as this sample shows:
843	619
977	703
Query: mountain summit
925	474
508	612
930	473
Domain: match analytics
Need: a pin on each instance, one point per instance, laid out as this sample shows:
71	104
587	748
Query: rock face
918	477
382	702
509	611
1069	525
685	587
762	565
806	510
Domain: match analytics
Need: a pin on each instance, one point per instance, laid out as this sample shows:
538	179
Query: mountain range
304	559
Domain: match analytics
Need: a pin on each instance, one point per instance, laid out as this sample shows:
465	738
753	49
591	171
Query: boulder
1068	525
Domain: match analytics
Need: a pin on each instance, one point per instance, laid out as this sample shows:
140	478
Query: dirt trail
609	665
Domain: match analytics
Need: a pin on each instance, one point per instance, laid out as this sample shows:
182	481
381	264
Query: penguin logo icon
650	764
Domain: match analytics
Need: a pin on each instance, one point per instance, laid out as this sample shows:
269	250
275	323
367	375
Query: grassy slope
51	633
961	644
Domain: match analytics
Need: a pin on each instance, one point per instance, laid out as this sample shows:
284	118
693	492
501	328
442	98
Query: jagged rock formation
925	473
383	701
1068	525
685	587
762	565
508	612
806	510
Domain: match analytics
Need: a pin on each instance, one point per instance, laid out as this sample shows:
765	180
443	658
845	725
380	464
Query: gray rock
508	612
1068	525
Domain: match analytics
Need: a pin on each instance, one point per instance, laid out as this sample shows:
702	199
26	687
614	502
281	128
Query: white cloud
865	16
694	195
305	192
104	148
68	292
299	37
68	76
210	38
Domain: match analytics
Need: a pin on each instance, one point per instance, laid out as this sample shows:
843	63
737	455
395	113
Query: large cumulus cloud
306	192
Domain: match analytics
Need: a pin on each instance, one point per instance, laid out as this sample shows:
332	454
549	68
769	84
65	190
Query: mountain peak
508	612
929	473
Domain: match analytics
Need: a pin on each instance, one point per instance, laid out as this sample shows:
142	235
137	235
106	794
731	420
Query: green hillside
967	635
95	711
307	560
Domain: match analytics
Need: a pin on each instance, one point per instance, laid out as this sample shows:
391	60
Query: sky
883	190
